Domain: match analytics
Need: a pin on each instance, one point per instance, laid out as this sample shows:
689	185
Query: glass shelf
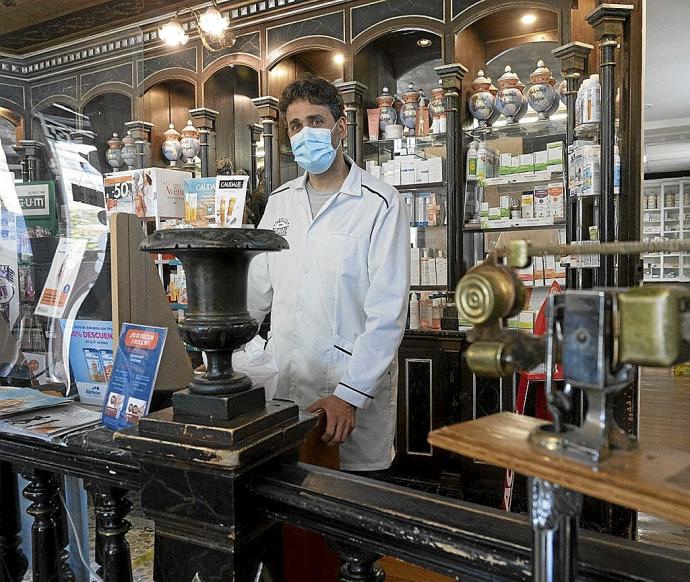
547	127
438	139
420	187
518	179
514	225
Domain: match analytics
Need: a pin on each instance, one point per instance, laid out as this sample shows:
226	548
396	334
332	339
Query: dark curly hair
317	91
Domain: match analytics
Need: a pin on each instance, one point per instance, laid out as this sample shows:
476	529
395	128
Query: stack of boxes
407	170
543	272
545	201
524	164
428	267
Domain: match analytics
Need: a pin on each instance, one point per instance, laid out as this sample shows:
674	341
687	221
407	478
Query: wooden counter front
652	480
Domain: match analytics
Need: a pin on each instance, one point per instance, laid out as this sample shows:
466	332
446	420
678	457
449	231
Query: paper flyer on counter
61	277
138	358
231	196
91	358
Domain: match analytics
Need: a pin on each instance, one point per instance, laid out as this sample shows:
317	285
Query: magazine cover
133	376
16	400
49	424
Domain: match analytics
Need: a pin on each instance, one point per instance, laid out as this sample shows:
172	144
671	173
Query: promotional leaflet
151	192
51	424
133	377
16	400
61	277
231	196
91	358
200	202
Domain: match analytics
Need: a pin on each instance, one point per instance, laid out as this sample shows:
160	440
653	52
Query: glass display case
416	167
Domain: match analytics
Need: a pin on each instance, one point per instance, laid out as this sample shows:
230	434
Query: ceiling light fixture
528	19
424	42
213	29
339	59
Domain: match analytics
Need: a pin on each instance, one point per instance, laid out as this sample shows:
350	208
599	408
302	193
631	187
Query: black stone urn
216	264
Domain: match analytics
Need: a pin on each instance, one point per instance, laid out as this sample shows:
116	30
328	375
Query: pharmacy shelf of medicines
515	177
666	215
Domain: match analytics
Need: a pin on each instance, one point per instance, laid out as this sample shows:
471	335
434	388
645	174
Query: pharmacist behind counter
338	297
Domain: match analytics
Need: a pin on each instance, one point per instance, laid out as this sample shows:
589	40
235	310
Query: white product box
538	264
541	161
151	192
528	206
560	274
435	170
397	166
407	170
549	269
387	173
516	165
369	165
506	165
556	200
526	275
415	266
494	213
376	171
485	210
505	202
542	209
424	171
433	278
526	320
554	153
526	164
441	271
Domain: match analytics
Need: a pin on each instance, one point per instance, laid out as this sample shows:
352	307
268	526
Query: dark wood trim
304	44
396	25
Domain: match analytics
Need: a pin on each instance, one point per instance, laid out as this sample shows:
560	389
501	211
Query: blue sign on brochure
138	357
91	358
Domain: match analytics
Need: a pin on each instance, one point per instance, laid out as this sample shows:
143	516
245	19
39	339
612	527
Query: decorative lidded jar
171	146
408	113
510	98
113	154
482	103
385	105
541	94
189	142
438	109
129	151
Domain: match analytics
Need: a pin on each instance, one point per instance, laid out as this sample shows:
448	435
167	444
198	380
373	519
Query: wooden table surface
648	479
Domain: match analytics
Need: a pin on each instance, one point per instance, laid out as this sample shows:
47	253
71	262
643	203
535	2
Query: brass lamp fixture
213	29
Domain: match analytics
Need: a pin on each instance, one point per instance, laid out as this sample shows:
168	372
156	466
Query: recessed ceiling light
528	19
339	59
424	42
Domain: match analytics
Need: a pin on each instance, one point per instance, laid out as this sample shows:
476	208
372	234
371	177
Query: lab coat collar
352	184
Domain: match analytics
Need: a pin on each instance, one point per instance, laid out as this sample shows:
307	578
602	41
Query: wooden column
573	57
268	111
608	21
141	132
46	553
112	550
30	153
353	93
205	121
452	76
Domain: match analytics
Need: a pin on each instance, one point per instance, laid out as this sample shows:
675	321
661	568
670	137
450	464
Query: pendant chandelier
213	29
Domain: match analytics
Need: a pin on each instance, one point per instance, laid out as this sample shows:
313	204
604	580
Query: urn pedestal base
217	407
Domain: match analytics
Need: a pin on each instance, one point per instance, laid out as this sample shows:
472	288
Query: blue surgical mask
313	149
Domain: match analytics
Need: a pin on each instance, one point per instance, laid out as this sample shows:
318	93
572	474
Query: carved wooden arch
111	87
244	59
305	44
171	75
398	24
14	118
488	7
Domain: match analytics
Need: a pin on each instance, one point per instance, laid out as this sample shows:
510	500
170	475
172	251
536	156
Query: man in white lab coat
338	297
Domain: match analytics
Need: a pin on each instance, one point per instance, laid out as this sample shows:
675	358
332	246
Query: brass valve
491	359
488	293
